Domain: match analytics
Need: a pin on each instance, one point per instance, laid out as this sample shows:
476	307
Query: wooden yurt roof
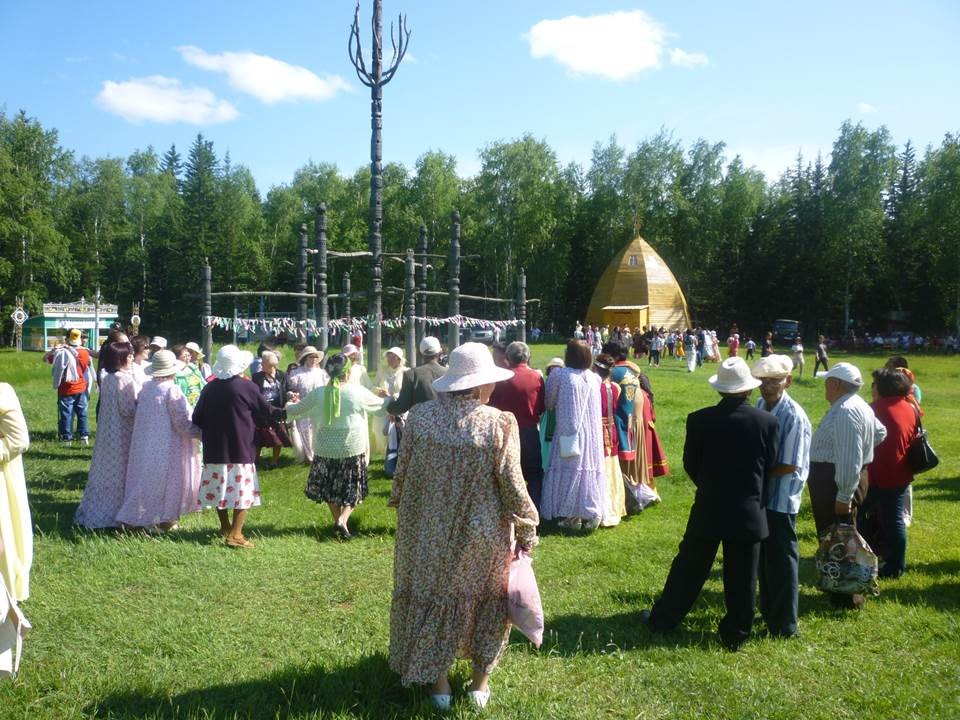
637	275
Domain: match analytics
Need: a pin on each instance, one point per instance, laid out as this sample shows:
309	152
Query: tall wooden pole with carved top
453	270
375	78
320	273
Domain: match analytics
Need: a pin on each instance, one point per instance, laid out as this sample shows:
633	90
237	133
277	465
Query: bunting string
303	328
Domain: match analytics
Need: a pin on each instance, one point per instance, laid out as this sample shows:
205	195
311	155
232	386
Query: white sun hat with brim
231	361
843	371
470	365
194	348
398	352
159	341
307	352
164	363
772	366
733	377
555	362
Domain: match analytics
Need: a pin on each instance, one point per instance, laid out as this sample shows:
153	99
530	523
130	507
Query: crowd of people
485	448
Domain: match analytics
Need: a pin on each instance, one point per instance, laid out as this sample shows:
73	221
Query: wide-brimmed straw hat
231	361
307	352
164	363
733	377
470	365
555	362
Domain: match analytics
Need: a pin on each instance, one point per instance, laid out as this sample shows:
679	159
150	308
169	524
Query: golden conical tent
638	289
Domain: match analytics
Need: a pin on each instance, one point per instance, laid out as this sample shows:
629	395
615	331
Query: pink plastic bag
523	599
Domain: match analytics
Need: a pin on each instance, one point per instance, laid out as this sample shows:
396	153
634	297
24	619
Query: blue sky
271	82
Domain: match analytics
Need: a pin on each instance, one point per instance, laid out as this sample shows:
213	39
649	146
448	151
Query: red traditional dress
617	508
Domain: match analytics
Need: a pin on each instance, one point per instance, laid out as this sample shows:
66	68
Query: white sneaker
479	698
441	701
85	440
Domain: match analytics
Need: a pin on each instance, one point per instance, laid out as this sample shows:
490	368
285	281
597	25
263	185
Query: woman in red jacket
889	473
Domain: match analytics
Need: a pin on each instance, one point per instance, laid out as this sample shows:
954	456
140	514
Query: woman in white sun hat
163	471
460	498
228	412
304	379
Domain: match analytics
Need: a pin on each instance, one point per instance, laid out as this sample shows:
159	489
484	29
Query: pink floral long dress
163	472
459	495
104	492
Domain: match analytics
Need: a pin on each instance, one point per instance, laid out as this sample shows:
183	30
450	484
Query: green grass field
130	626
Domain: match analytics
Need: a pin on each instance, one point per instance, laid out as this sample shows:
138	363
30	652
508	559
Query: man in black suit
417	384
729	451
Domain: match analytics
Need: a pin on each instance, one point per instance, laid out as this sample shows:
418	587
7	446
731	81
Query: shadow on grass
367	689
571	635
940	489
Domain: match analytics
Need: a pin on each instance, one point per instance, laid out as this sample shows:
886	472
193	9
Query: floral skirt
341	481
233	486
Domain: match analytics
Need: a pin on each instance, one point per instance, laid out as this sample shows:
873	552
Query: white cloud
682	58
266	78
865	108
618	46
163	100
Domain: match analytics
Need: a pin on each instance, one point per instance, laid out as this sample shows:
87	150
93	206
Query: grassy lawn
181	627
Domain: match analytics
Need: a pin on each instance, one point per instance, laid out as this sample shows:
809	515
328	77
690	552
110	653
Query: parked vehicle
785	331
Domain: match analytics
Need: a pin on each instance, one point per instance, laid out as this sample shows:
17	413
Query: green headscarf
333	392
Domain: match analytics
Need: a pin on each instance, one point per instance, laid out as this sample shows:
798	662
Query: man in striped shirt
840	450
780	551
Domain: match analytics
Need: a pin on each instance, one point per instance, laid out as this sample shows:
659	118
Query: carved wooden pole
375	79
320	273
410	328
453	269
207	310
522	306
302	275
421	283
347	312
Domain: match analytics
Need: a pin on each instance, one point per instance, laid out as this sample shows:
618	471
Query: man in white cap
840	450
417	384
780	551
729	451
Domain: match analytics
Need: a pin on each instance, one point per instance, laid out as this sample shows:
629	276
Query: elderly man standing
729	451
73	377
780	552
417	386
523	395
840	450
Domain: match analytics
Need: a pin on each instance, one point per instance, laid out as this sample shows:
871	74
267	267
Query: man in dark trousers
729	452
417	384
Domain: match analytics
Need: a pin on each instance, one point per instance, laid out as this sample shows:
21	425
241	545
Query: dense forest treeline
870	234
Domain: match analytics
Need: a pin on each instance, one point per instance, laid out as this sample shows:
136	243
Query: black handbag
920	456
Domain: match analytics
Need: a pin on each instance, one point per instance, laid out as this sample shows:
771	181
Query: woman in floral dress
103	494
162	469
575	488
460	499
338	474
